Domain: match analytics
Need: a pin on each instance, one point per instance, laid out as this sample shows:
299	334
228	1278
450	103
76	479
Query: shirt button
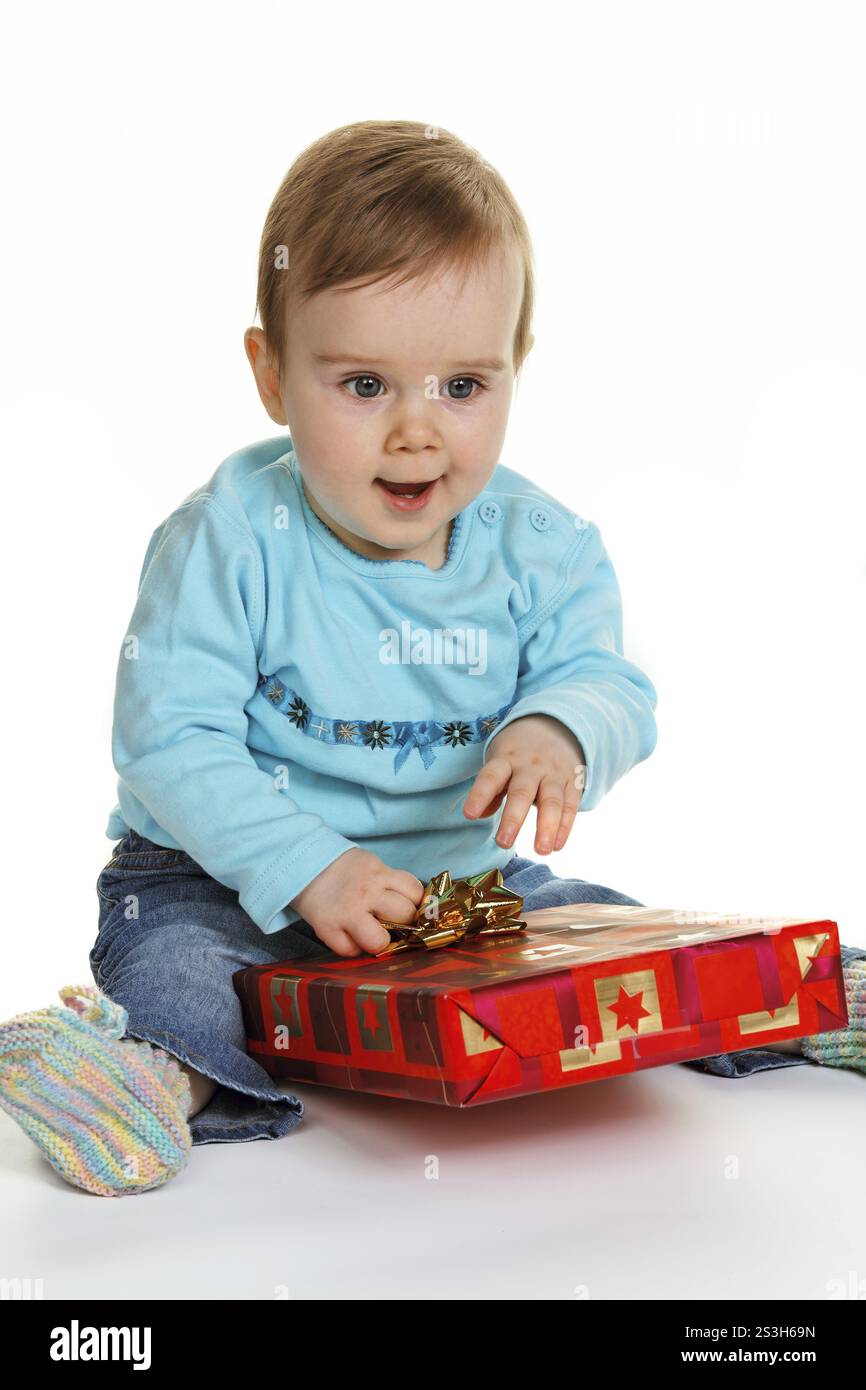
579	523
539	519
490	512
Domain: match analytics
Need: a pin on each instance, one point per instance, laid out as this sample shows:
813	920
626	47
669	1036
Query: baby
362	652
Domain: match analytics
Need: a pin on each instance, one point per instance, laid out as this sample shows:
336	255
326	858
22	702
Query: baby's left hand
535	758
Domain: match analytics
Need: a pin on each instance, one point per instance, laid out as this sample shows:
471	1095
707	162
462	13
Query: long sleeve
572	668
186	671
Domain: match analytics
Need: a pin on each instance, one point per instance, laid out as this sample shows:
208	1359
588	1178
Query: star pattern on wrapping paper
812	959
628	1009
371	1015
286	1003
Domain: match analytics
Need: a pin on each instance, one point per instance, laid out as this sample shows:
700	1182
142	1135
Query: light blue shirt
281	699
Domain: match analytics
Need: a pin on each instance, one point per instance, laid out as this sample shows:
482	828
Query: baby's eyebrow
331	359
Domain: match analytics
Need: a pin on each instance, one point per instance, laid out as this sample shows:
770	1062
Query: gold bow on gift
478	905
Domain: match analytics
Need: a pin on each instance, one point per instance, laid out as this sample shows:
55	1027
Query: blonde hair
378	199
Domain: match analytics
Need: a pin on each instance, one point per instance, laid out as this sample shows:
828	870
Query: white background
692	176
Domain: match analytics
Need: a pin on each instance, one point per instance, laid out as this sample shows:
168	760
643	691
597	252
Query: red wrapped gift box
585	992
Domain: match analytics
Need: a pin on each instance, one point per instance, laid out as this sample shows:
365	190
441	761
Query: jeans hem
233	1128
238	1131
735	1065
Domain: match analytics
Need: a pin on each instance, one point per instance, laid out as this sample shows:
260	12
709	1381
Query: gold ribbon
478	905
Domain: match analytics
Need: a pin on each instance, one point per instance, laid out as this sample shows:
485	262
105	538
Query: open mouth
407	496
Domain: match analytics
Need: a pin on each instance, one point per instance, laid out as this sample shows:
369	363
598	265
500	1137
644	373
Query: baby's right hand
344	902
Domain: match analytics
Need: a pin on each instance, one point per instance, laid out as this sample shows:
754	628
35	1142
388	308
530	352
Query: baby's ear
265	373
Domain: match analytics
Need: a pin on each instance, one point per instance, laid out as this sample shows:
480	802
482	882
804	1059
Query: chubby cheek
495	425
330	450
476	449
322	438
320	418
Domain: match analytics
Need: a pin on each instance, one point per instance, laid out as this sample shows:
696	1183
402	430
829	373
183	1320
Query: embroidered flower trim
379	734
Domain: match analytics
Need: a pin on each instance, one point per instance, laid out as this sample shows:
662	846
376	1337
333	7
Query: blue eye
367	378
467	380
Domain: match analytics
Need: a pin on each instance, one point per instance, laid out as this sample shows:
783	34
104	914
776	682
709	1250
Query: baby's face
407	385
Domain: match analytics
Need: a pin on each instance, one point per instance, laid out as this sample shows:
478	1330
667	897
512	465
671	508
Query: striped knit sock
846	1047
109	1113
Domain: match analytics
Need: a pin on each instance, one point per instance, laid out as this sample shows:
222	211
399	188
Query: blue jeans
170	938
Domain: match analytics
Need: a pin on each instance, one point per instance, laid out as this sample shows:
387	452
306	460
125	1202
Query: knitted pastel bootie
845	1047
109	1114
